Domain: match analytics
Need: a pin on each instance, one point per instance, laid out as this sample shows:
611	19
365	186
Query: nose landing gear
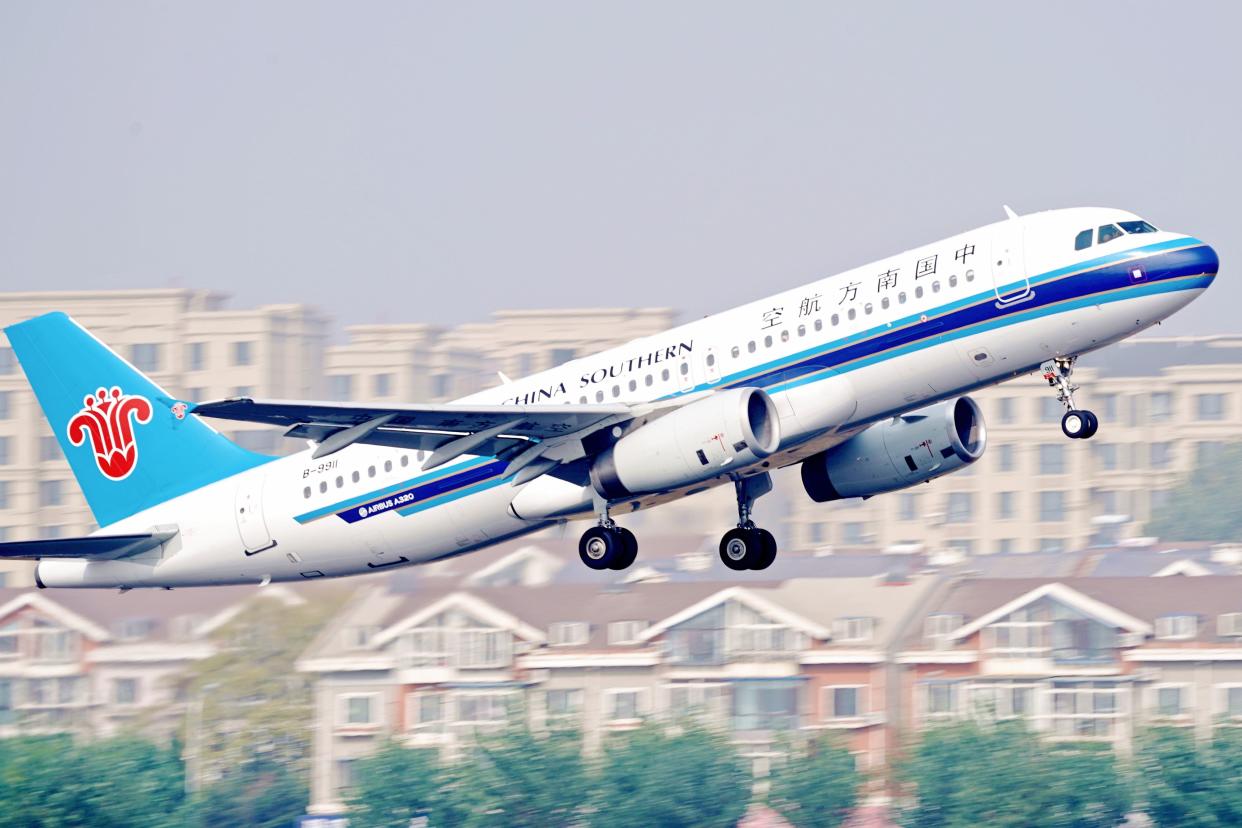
1077	424
747	546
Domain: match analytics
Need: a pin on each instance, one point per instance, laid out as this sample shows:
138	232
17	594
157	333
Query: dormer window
1229	624
569	633
939	625
1177	627
853	630
625	632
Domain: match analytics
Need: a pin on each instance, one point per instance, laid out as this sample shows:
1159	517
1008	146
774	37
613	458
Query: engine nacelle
715	435
901	452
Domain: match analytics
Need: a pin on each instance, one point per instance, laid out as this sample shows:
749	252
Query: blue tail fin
130	444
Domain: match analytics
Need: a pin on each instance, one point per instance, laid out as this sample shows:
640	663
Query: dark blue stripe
417	494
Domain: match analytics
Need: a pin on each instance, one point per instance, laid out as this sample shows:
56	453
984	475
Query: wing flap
92	547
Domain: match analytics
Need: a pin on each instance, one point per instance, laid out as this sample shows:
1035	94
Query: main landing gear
607	545
1077	424
747	546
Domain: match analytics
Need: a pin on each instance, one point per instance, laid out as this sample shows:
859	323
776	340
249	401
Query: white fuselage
835	355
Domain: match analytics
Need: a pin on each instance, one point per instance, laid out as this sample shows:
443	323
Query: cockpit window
1083	240
1136	227
1108	232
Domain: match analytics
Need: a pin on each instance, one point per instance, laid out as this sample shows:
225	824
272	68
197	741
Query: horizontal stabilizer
92	547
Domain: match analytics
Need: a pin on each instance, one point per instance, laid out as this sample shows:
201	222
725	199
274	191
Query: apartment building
432	668
1083	659
1162	404
92	663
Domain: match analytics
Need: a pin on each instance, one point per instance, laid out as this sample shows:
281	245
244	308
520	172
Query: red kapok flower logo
107	418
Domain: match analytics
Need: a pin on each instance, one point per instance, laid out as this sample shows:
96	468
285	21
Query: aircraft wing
92	547
447	431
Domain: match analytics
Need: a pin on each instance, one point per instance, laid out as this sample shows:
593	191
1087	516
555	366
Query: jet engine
715	435
900	452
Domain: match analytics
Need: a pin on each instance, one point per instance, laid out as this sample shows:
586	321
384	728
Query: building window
1177	627
49	450
381	385
1005	457
1229	624
853	533
1233	702
1105	406
195	356
855	630
4	494
938	625
1084	709
7	363
145	356
569	633
5	410
1005	505
441	385
907	506
940	699
341	387
1006	546
358	709
125	691
559	356
1169	701
426	711
1006	410
1050	545
842	702
1051	506
49	493
625	632
1161	406
562	703
1210	406
482	708
959	507
243	391
622	705
1207	451
1050	410
1105	456
345	774
1051	458
1161	455
243	353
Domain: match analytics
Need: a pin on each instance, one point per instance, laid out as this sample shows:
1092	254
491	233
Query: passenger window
767	342
664	375
340	481
901	298
711	360
405	461
582	400
1083	240
1108	232
936	287
819	324
323	486
599	396
387	465
355	477
647	380
633	385
685	368
953	280
616	390
852	314
884	303
970	275
835	319
784	336
802	330
867	308
750	346
370	471
306	492
918	292
1136	227
735	352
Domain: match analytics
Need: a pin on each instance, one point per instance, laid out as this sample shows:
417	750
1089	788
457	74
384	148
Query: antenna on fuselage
1009	213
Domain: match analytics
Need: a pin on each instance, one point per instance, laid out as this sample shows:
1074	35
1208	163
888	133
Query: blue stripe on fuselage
1167	266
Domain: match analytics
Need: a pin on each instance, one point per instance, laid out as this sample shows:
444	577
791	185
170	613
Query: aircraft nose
1208	260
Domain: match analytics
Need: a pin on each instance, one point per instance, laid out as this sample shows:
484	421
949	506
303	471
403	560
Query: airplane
860	378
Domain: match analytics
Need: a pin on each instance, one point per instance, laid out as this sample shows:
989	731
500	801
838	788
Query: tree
818	786
397	784
521	778
124	781
1204	506
259	794
1000	774
249	699
1186	783
657	775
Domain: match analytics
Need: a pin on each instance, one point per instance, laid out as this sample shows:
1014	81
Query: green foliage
649	776
1204	506
1191	784
395	785
248	698
818	786
122	782
1001	775
258	794
522	779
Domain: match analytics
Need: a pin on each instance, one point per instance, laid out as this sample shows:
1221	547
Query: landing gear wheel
1093	425
629	549
767	549
741	548
600	546
1079	425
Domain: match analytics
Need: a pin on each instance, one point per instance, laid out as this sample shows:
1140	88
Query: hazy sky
418	161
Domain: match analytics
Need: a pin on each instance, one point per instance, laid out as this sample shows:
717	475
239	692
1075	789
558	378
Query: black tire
1074	424
767	549
1093	425
740	548
599	547
629	549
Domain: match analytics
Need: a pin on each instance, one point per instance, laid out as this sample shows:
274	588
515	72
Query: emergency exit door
248	509
1009	276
